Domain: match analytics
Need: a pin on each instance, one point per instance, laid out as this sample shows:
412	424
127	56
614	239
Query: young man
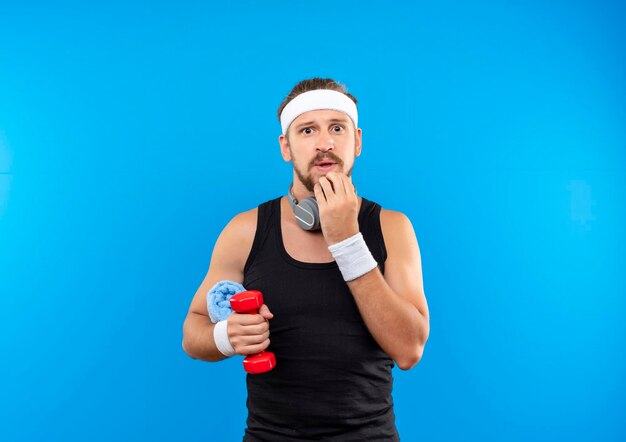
343	289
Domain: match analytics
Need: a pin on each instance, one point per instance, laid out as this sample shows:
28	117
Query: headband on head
317	100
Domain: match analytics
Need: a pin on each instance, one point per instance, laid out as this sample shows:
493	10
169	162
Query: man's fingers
346	183
238	331
247	319
265	312
252	349
244	341
250	337
324	182
337	181
252	341
319	193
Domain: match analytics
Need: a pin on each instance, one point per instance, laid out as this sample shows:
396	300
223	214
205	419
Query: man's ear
284	148
358	142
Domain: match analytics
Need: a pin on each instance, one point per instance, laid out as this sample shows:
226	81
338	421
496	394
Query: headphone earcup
308	214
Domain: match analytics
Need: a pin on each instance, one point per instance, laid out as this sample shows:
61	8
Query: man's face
321	141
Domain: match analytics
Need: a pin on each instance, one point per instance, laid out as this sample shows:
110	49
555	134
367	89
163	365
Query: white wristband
353	257
220	335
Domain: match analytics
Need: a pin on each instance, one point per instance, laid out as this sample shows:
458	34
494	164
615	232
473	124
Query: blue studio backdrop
132	132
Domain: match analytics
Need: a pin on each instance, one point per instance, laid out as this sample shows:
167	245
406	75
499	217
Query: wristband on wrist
353	257
220	335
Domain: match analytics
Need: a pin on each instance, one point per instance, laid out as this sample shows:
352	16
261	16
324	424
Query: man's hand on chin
338	205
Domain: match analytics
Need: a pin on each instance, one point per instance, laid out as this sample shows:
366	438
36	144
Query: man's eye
307	130
337	128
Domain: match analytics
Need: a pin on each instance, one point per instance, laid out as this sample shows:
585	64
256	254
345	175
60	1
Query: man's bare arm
227	262
394	307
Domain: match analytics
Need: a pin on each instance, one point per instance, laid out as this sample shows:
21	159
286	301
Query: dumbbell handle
249	302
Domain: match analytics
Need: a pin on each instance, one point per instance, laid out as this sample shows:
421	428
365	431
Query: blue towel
218	299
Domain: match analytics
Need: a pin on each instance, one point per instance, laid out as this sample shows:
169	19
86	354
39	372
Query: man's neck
300	192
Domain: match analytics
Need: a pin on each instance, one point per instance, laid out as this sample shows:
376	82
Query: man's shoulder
235	241
246	221
243	222
396	227
393	218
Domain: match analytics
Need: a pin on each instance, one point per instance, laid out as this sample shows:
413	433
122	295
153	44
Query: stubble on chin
308	182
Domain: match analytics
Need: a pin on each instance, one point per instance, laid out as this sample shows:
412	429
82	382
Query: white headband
316	100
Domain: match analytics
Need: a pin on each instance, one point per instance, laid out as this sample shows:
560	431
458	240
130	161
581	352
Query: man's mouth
325	166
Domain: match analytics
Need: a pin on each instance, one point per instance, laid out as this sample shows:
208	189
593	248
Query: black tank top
331	381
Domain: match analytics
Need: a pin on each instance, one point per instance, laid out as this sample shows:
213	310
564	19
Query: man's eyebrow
332	120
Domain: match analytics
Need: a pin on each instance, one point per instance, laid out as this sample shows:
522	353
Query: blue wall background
131	132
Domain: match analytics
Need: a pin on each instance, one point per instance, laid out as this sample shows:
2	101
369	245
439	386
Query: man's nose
325	142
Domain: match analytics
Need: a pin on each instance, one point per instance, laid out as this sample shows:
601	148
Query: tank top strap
369	225
266	213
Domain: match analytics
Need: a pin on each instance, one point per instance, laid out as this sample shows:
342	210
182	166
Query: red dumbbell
250	302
